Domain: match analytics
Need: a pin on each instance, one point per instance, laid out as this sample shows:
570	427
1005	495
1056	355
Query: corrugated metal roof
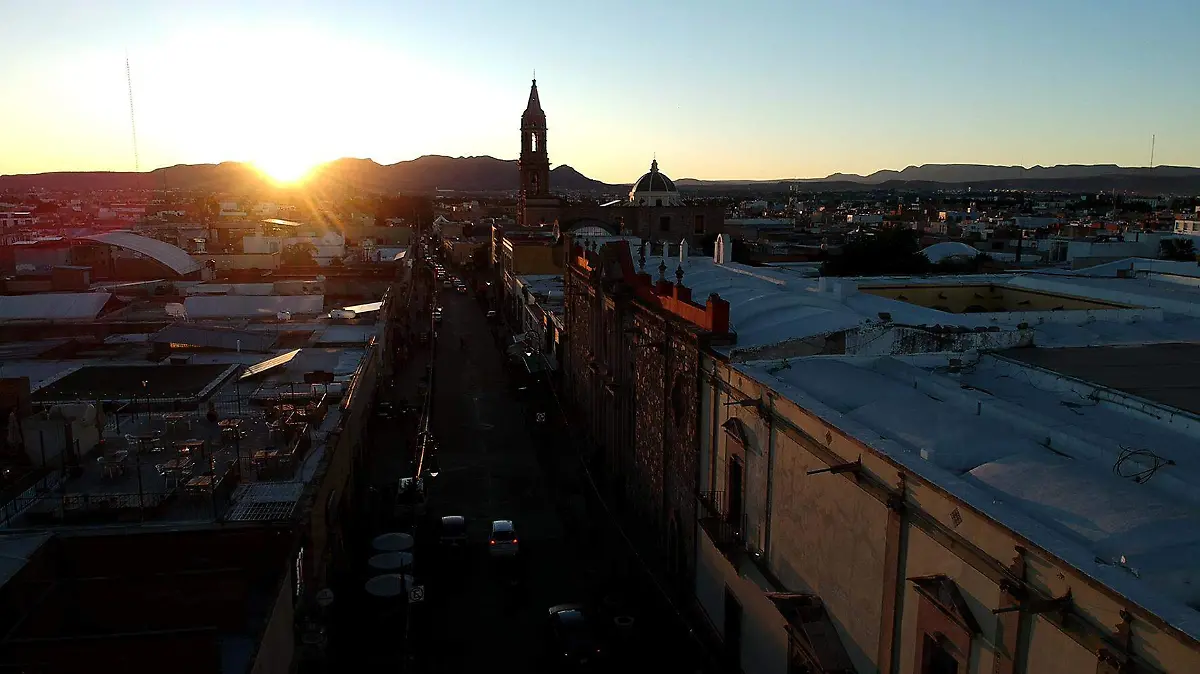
52	306
364	308
174	257
270	363
257	306
215	338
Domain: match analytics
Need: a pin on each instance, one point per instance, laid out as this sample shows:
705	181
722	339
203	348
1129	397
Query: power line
137	163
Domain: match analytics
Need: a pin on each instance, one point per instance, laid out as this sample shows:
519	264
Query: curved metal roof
947	249
173	257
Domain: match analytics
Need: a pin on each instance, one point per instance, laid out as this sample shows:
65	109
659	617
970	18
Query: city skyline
1040	86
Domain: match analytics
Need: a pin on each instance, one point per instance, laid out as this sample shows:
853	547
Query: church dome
654	189
654	181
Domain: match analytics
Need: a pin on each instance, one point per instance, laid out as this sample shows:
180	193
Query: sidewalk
634	561
389	445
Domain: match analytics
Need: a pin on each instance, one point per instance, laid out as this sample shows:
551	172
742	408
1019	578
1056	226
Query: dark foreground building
630	373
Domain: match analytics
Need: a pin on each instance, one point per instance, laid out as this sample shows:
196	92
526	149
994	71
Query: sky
753	89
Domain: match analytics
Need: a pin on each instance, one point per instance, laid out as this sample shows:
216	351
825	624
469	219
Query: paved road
474	617
489	470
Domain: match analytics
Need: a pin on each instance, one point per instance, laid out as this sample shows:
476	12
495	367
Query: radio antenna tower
137	162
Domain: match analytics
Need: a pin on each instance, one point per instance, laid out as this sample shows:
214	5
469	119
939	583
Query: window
938	659
664	223
698	226
658	202
945	627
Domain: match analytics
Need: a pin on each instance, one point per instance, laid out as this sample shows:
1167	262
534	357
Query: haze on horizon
768	89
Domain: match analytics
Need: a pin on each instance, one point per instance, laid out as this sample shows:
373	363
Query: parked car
503	541
454	532
573	636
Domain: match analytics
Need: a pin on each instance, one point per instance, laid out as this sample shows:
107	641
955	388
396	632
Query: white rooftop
1036	451
772	306
173	257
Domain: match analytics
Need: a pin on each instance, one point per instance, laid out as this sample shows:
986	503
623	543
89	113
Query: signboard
416	594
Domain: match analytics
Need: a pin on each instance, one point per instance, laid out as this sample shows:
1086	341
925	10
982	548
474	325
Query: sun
285	168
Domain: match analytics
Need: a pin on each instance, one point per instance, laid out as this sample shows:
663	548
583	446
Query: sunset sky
718	89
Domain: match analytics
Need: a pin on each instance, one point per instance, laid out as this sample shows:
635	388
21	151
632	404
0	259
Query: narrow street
477	612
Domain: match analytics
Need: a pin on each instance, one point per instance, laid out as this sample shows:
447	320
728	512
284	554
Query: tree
1182	250
887	251
299	255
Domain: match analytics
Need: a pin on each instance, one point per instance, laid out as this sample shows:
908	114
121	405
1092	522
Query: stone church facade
653	212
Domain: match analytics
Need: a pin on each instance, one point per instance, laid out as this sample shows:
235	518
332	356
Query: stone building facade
630	373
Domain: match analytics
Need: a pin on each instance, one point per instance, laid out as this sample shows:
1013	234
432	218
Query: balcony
727	532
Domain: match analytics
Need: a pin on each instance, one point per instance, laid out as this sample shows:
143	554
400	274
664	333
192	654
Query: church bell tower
534	163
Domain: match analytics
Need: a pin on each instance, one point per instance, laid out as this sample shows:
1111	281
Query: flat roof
773	305
1053	463
214	337
251	306
16	550
130	381
52	306
1168	374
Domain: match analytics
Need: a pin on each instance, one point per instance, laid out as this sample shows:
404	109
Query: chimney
718	314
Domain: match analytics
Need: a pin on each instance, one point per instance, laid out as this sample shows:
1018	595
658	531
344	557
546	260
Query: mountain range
423	174
489	174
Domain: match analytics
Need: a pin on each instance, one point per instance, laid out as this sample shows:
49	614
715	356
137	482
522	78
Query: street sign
416	594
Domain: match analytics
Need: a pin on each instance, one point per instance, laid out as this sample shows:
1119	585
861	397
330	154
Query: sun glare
285	169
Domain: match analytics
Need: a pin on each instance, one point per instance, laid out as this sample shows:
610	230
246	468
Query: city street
478	613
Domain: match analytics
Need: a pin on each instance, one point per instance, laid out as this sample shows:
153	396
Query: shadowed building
654	212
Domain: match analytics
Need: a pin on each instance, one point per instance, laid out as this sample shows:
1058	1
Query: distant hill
424	174
934	176
488	174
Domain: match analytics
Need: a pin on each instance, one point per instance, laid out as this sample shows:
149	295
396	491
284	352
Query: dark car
573	636
385	409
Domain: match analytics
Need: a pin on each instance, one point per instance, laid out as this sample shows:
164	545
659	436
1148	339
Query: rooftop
773	308
1060	454
199	421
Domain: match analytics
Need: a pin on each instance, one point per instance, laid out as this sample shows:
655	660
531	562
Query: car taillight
493	541
514	541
